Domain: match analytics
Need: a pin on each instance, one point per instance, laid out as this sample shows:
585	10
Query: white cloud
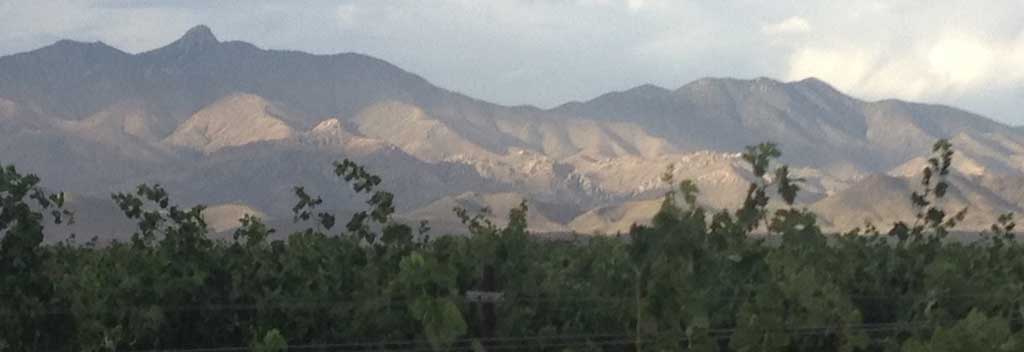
1015	59
346	14
635	5
844	67
960	60
795	24
947	66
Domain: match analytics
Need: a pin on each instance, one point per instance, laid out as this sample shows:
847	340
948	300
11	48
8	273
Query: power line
401	302
408	343
610	339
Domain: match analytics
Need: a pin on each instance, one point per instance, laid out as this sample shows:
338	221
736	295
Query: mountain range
235	126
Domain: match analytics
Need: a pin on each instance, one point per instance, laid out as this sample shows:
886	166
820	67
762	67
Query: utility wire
399	303
609	339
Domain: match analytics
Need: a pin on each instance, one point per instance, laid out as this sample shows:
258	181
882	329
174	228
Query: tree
26	294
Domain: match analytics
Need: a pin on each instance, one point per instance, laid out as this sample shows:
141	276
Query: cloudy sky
968	54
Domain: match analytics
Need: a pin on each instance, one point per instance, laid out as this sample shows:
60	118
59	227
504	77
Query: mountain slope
882	200
226	122
232	121
442	217
616	218
817	125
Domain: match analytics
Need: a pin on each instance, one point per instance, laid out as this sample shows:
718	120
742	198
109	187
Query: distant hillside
226	122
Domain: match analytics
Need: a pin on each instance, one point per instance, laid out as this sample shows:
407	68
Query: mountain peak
66	44
648	89
815	83
89	52
767	80
200	34
813	80
644	91
195	39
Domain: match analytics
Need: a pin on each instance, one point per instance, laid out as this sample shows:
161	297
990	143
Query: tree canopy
695	279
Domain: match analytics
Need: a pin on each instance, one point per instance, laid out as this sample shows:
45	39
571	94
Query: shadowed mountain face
228	123
817	125
72	80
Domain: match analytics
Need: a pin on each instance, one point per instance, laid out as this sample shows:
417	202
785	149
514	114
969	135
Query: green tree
26	295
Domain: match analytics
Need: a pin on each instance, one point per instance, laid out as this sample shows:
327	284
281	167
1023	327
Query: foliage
25	293
271	342
757	278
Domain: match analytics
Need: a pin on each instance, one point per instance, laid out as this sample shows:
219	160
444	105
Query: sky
969	54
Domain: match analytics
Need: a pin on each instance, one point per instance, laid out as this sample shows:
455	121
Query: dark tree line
695	279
